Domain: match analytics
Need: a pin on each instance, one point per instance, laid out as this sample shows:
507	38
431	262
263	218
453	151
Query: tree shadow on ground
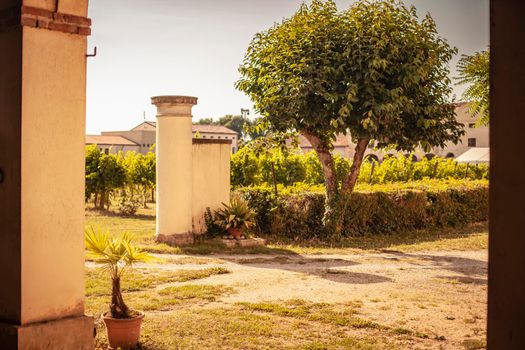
332	269
471	271
112	214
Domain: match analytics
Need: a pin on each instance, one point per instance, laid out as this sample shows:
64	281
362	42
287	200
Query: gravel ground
441	293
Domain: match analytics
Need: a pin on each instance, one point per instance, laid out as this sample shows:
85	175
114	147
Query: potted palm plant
117	255
235	218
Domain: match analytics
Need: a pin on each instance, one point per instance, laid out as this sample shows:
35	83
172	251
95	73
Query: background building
142	137
475	136
112	144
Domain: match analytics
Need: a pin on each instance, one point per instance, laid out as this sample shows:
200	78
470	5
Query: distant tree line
244	127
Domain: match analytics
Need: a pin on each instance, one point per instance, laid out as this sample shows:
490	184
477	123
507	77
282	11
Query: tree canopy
474	70
375	71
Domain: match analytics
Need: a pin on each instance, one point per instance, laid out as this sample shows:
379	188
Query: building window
471	125
218	137
211	137
472	142
106	150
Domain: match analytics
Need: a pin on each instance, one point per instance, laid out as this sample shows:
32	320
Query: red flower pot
123	333
235	232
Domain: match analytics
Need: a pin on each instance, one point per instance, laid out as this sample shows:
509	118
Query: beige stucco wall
174	172
211	180
53	103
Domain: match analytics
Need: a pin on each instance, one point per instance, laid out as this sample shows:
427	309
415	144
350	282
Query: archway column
42	128
174	169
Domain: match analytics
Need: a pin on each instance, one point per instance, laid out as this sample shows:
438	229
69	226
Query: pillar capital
173	100
174	106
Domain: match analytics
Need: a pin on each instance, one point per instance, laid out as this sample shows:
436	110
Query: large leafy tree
375	71
474	71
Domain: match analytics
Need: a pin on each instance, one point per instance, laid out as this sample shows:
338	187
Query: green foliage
374	70
131	173
251	169
104	174
116	255
237	215
212	228
474	71
372	209
128	202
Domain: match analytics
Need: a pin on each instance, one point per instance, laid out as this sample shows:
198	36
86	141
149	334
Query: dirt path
441	294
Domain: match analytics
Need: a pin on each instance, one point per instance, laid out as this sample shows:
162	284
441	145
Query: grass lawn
178	317
379	292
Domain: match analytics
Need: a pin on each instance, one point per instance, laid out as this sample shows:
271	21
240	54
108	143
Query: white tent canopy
475	155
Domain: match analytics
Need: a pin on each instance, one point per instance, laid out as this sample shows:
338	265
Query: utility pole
245	113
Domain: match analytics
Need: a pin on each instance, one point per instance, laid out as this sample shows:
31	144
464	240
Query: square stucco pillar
174	169
42	127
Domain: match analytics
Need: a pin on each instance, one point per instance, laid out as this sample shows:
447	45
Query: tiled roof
209	129
146	125
108	140
212	129
340	141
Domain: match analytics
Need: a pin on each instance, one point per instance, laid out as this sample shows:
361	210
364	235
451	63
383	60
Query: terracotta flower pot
235	232
123	333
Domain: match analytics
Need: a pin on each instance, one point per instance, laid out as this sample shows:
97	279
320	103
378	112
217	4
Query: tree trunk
350	181
355	169
274	179
332	191
102	200
118	308
108	202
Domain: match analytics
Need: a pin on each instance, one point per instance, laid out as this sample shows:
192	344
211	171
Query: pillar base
175	239
75	333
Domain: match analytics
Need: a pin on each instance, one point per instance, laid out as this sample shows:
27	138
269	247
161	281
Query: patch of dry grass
241	327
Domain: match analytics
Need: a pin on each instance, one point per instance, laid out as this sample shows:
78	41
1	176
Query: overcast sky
181	47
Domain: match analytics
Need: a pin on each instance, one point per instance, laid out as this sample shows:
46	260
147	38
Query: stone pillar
174	169
42	130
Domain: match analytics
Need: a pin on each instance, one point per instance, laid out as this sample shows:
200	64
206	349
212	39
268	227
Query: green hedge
296	213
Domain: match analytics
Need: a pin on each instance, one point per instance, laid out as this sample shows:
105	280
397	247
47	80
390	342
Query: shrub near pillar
174	169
